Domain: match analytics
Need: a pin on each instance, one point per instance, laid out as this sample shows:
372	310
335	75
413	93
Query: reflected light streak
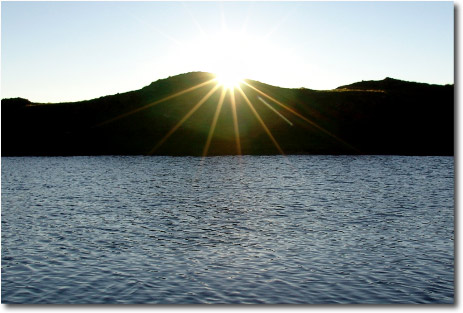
260	121
274	110
235	121
187	116
154	103
214	121
301	116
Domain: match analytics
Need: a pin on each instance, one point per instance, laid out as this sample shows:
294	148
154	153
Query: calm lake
251	229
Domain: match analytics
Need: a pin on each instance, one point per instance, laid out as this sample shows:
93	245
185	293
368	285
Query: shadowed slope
173	116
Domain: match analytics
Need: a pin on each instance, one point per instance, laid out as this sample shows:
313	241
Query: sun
228	79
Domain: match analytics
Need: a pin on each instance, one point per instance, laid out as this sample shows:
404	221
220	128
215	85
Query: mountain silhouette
174	116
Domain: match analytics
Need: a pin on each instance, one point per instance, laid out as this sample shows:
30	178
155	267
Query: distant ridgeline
185	115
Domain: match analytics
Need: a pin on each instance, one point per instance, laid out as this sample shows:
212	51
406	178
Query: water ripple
306	229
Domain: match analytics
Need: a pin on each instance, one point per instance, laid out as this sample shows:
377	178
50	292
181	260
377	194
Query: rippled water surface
301	229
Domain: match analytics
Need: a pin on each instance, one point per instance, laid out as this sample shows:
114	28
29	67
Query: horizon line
244	79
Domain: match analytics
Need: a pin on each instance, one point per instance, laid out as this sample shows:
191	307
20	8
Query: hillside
372	117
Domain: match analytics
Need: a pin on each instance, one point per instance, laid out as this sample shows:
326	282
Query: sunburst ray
155	29
235	121
195	21
302	117
256	114
155	102
274	110
214	121
186	117
278	24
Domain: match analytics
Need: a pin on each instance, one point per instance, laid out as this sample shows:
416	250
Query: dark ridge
16	102
371	117
385	84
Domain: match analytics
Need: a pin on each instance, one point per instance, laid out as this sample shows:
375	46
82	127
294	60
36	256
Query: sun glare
228	80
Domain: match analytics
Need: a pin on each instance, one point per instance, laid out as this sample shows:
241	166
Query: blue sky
70	51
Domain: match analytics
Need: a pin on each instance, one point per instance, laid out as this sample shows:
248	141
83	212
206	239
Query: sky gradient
70	51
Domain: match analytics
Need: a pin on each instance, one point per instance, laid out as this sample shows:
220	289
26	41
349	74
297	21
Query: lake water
251	229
